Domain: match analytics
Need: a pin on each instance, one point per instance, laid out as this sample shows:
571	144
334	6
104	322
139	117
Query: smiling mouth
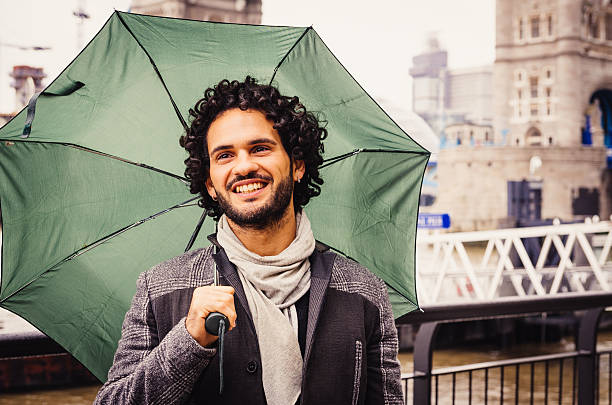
249	188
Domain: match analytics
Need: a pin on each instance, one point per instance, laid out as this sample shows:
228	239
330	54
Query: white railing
484	265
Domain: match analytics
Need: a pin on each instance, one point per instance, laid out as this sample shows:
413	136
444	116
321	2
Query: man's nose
245	164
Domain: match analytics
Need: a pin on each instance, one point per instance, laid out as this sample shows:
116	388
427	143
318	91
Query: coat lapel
228	272
320	273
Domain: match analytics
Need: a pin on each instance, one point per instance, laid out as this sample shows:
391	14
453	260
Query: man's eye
221	156
260	149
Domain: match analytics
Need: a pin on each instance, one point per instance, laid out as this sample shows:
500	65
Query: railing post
423	346
586	346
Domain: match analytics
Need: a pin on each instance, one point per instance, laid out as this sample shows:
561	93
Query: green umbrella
92	190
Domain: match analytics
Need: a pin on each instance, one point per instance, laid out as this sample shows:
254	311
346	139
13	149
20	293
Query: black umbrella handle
216	324
213	323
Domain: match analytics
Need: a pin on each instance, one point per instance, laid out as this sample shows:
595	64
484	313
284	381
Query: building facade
552	59
444	97
27	80
4	118
552	102
235	11
466	133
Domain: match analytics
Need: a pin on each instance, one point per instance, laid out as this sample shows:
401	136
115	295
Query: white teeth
249	187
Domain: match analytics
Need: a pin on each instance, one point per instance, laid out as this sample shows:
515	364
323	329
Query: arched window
604	97
533	137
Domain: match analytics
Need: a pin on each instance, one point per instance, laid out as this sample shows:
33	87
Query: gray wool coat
351	340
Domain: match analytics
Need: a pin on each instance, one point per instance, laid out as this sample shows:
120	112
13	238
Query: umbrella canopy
92	193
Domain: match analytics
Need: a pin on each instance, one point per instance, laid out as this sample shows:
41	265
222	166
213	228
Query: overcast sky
375	40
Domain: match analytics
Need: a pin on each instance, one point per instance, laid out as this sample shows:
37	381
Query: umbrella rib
99	242
288	52
176	110
97	152
143	165
335	159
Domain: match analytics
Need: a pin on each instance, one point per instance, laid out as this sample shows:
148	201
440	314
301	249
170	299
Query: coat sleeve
146	371
384	376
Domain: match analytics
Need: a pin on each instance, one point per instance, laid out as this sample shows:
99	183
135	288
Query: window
533	110
550	25
534	137
609	26
533	87
487	137
519	110
535	27
548	73
548	92
592	26
548	110
595	28
550	140
520	94
520	29
589	20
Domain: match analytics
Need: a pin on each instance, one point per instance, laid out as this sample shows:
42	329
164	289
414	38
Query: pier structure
519	262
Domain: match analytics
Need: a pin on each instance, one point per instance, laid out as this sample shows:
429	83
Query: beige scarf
272	285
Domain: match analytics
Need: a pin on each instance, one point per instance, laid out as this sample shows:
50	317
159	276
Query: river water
441	358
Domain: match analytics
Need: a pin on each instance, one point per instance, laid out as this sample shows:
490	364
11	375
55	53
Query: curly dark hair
300	132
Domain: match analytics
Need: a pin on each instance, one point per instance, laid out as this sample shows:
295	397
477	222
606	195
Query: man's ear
299	168
211	190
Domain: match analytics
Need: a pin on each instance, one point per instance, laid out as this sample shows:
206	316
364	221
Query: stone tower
236	11
552	56
552	104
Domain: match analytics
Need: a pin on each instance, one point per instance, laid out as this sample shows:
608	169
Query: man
306	325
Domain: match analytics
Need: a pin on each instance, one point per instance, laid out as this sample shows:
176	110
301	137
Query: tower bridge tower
552	101
553	83
552	56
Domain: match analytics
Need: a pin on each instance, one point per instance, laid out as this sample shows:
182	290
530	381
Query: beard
270	214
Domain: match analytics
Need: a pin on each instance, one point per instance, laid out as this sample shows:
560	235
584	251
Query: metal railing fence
567	378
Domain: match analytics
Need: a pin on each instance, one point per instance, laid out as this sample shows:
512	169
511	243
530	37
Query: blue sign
434	221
